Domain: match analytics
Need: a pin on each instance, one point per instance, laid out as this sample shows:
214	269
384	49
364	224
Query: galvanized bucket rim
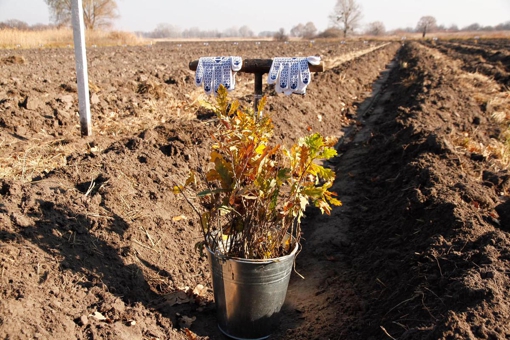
254	261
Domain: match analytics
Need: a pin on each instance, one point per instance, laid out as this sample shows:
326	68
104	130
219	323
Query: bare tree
346	15
297	31
309	30
453	28
426	24
246	32
376	28
231	32
304	31
280	35
96	13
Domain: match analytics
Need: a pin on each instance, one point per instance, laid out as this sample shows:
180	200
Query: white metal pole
81	67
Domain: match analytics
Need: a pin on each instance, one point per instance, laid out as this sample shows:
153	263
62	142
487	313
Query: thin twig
401	303
437	261
187	200
148	236
98	216
91	187
386	332
382	283
124	201
434	294
96	249
425	307
143	245
202	227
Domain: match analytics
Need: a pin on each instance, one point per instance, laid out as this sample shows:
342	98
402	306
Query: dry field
53	38
94	244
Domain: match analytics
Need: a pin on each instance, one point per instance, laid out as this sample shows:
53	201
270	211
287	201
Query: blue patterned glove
215	71
291	75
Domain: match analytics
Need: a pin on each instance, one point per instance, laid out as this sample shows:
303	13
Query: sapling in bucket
251	202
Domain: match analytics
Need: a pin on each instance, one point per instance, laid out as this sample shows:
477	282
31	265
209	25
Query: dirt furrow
424	229
337	61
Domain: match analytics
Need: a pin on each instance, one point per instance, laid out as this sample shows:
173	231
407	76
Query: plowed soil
94	244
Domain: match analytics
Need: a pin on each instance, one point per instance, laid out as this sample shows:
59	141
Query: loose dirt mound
93	244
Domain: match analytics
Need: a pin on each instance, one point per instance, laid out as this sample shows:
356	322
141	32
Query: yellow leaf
335	201
191	179
177	189
260	149
206	105
215	155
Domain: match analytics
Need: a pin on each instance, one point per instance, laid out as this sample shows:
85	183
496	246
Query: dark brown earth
94	244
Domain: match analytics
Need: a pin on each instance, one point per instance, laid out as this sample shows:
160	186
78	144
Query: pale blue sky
270	15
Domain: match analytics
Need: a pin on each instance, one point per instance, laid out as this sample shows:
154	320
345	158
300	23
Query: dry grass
159	108
495	99
24	160
494	150
12	38
499	107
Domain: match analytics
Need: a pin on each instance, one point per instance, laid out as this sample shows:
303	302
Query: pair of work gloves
289	75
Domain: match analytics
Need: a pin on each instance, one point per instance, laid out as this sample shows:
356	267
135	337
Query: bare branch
96	13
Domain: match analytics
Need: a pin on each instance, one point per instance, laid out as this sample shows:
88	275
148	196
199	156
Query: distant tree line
428	24
170	31
305	31
345	19
23	26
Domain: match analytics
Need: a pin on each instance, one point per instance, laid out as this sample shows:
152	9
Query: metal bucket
249	294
